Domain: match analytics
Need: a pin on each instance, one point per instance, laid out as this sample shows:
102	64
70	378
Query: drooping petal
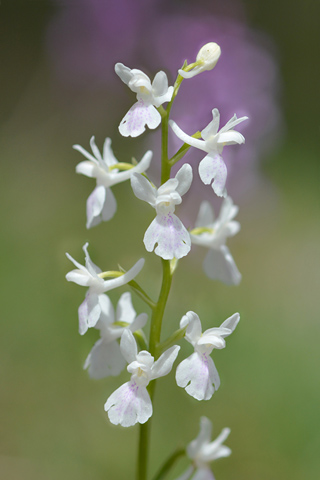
170	235
95	205
128	405
163	365
197	374
89	312
212	167
105	359
219	265
184	177
143	189
110	206
140	114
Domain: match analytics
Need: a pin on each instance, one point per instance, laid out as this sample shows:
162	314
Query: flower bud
208	55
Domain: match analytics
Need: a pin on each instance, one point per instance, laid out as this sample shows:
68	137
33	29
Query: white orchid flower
202	451
101	204
105	357
197	373
210	233
149	96
166	230
131	402
96	303
212	166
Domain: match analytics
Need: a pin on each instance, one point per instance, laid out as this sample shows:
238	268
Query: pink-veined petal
140	114
128	405
170	235
212	167
197	374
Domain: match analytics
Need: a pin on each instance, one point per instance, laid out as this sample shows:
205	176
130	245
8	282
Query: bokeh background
58	88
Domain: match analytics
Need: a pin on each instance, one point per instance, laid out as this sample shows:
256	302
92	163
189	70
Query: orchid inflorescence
122	341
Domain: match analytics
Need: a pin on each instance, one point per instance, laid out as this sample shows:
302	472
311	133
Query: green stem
143	451
169	463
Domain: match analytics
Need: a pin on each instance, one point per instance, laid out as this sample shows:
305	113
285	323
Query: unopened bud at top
208	55
207	58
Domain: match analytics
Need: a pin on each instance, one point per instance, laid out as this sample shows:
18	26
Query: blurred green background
52	421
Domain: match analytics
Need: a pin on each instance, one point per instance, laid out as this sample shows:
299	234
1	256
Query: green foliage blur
52	421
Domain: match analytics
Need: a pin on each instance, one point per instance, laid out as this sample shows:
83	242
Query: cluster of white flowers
121	334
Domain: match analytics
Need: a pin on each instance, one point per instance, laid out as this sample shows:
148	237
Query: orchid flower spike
166	230
105	357
101	204
212	166
131	402
149	96
202	451
197	373
207	59
96	303
210	233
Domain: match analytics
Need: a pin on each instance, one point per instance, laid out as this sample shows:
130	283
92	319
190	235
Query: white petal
89	312
87	168
80	277
194	142
139	115
123	72
128	346
105	359
192	73
125	310
170	235
215	449
160	84
157	101
212	167
95	149
125	278
213	127
187	474
203	437
219	265
203	473
231	138
139	322
109	207
85	154
232	123
128	405
163	365
184	177
143	189
95	204
194	329
108	156
205	216
231	322
212	337
197	374
92	268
